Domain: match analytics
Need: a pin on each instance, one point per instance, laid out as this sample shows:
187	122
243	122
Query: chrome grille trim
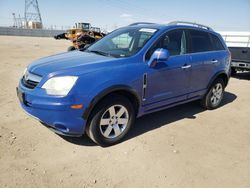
31	80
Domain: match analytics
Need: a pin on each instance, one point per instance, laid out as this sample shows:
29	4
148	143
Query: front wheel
111	120
214	96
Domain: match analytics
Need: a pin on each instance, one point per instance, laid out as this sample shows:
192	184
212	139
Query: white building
236	39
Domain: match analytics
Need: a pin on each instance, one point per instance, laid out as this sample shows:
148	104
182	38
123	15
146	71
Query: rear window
199	42
217	45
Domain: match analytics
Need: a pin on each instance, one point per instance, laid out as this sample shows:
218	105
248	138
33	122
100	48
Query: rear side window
199	41
217	45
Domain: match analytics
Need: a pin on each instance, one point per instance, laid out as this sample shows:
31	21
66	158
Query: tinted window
173	41
217	45
199	41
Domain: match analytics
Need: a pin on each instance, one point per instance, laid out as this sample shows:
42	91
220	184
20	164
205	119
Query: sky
221	15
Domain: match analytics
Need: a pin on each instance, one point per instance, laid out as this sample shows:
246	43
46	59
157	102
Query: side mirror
159	54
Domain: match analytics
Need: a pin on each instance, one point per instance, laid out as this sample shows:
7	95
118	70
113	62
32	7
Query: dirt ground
183	146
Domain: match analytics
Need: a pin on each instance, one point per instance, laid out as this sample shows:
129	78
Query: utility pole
20	22
32	12
14	20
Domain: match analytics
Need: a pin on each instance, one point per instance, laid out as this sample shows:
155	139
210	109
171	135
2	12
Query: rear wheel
111	120
214	96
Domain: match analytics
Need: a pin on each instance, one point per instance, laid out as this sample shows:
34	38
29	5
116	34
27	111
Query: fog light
61	127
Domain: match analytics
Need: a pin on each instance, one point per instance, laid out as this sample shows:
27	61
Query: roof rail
191	23
140	23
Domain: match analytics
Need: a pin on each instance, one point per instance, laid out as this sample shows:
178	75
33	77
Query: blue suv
133	71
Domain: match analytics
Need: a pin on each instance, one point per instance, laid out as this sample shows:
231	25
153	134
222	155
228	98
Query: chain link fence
11	31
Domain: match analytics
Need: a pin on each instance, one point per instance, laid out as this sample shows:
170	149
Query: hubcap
114	121
217	92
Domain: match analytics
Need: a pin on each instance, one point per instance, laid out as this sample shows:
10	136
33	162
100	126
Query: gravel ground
183	146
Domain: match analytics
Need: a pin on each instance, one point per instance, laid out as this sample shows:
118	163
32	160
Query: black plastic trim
216	76
106	92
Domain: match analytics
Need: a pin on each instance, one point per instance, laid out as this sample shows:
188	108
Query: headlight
25	70
59	85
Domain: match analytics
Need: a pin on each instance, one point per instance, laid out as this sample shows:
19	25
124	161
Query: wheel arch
123	90
221	74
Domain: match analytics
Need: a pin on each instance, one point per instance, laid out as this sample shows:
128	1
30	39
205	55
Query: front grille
29	83
30	80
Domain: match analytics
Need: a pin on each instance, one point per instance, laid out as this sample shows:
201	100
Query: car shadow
165	117
242	75
82	141
156	120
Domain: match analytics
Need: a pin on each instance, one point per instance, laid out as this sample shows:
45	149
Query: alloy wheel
217	92
114	121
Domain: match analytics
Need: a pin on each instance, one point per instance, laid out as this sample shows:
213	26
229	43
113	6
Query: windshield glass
122	42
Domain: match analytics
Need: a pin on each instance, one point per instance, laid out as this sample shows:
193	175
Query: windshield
122	42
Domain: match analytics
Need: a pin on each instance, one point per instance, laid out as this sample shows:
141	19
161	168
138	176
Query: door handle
214	61
186	66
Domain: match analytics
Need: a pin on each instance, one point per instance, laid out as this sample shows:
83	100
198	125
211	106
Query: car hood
67	61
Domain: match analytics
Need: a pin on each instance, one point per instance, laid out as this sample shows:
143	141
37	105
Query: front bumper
53	111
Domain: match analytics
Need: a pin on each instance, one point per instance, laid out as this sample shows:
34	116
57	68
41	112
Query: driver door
168	81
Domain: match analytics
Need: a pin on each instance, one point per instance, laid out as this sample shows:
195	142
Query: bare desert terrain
184	146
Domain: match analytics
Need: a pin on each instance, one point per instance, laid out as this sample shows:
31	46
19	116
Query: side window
173	41
199	41
217	45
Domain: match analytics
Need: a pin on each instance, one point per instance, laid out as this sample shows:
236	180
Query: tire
233	71
214	96
71	48
110	120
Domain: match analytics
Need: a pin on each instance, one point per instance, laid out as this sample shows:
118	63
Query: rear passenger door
203	60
